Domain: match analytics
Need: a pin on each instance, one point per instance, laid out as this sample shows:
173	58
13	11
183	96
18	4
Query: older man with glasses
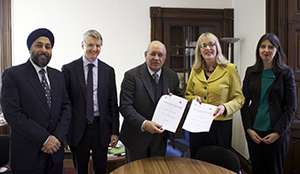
141	89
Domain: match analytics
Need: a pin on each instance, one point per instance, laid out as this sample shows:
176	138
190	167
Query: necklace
210	71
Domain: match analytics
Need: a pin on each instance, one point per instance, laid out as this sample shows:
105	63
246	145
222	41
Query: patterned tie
155	77
90	100
46	87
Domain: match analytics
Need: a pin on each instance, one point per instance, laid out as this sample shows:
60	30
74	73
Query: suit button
50	120
205	87
205	98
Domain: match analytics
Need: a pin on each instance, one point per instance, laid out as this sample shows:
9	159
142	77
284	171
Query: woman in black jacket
270	105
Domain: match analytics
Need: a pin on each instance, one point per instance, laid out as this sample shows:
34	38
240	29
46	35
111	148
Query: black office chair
219	156
4	152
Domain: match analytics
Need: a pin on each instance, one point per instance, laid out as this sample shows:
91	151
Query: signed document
169	111
199	117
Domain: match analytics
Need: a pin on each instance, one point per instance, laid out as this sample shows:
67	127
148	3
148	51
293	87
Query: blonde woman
215	81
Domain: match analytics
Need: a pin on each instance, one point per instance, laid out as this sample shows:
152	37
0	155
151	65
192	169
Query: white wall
249	26
125	27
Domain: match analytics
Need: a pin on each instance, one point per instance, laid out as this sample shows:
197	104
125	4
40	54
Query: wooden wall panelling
5	34
293	54
276	20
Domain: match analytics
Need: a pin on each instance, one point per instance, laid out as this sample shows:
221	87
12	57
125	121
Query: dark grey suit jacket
137	103
31	120
107	100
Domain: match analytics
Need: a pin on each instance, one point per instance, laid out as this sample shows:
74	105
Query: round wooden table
171	165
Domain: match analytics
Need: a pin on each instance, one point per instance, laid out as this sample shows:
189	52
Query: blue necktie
89	98
46	87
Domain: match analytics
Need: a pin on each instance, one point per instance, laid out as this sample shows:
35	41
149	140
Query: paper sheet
168	111
199	117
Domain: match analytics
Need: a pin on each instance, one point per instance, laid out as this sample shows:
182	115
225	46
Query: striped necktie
155	77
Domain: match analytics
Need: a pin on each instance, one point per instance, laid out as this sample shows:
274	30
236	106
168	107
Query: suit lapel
166	81
53	85
80	75
101	78
201	76
257	83
33	79
144	75
218	73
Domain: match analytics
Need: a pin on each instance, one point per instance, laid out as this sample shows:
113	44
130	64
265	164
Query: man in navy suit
140	93
36	106
94	124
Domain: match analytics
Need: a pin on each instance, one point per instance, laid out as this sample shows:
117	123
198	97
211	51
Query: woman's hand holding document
199	117
168	111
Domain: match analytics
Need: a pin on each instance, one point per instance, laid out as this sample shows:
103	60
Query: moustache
45	54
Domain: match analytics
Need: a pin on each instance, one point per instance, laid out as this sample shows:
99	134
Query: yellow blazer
223	87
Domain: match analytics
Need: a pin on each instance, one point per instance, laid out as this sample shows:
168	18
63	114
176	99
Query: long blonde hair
199	60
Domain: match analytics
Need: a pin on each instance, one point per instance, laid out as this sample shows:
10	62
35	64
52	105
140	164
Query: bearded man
37	108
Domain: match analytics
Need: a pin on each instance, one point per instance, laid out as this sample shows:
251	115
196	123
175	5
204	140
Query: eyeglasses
153	54
92	45
210	45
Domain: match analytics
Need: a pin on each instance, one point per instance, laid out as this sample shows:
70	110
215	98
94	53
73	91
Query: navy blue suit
107	101
31	120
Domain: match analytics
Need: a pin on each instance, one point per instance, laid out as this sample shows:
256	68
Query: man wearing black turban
37	108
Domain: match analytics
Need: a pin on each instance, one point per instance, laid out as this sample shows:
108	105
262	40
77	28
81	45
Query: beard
38	62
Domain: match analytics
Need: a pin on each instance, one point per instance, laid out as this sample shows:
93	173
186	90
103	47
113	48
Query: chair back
187	135
219	156
4	149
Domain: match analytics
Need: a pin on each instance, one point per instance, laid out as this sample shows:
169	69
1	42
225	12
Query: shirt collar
86	62
37	68
152	72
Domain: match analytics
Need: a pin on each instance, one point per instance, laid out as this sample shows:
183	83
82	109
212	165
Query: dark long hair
279	60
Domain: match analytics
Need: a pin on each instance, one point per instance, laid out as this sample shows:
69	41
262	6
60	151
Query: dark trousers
220	134
81	152
157	147
48	167
268	158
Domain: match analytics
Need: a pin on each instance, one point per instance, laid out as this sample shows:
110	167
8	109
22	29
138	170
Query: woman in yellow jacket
215	81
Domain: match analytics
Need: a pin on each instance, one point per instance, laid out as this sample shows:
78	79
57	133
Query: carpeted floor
68	167
70	171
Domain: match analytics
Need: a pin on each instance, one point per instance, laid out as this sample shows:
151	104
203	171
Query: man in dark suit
95	115
36	106
140	93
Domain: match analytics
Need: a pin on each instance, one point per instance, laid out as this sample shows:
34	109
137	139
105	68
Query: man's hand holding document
199	117
169	111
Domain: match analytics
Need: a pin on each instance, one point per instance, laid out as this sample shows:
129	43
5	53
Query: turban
39	33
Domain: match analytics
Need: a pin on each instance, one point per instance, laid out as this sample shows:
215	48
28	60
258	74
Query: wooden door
180	38
283	19
179	29
293	26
